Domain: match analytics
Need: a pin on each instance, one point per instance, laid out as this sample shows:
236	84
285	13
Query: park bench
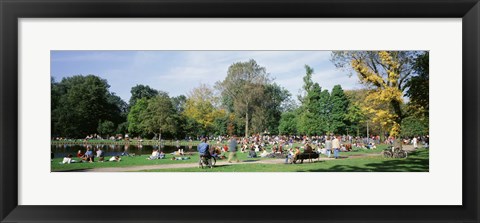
309	156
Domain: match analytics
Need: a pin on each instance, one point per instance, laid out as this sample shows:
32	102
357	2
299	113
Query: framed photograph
311	111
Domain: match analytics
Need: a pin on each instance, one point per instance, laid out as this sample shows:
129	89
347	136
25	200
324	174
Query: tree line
249	102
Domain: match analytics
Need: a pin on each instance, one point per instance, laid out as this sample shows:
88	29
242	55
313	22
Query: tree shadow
418	161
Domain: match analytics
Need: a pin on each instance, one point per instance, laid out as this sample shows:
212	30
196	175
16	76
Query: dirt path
219	163
183	165
408	148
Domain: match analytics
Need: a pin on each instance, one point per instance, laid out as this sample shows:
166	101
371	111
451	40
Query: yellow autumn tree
201	107
385	74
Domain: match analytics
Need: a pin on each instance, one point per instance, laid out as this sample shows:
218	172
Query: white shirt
66	160
336	143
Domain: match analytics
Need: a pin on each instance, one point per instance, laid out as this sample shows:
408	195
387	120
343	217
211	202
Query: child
289	156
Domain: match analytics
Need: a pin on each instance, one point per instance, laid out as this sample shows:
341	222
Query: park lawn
417	161
125	162
142	161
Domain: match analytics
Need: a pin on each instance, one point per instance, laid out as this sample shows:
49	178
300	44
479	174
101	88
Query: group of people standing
332	145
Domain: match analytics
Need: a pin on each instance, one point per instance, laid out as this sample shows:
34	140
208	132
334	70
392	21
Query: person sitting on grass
252	154
179	152
321	150
89	156
154	155
80	154
264	153
100	155
115	159
274	150
280	150
296	153
308	148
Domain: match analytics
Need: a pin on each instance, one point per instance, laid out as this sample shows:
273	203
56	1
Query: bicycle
208	161
395	153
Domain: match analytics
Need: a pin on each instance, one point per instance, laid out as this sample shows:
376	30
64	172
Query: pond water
60	151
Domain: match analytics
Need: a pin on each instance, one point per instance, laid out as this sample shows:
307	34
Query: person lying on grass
115	159
68	159
180	158
264	153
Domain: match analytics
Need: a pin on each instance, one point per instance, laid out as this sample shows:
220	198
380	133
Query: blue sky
177	72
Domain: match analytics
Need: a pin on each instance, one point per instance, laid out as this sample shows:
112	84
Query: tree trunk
246	124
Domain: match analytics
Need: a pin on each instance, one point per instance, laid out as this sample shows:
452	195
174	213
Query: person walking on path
328	146
414	140
336	147
232	149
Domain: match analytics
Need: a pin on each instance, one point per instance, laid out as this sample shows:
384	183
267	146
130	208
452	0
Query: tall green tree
307	83
118	108
309	121
160	116
288	123
179	103
136	116
106	128
354	119
142	91
79	104
418	86
418	92
414	126
267	114
339	109
244	87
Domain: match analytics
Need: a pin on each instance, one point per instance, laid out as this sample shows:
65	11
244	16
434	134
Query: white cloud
177	72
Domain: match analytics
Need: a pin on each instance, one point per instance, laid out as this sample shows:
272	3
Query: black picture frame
11	11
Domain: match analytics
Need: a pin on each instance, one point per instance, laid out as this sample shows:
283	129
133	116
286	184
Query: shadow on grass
250	160
418	161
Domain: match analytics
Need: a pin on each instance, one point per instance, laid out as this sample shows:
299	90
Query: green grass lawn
125	162
417	161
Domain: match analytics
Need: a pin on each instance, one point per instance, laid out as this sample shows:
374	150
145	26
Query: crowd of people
257	146
89	156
